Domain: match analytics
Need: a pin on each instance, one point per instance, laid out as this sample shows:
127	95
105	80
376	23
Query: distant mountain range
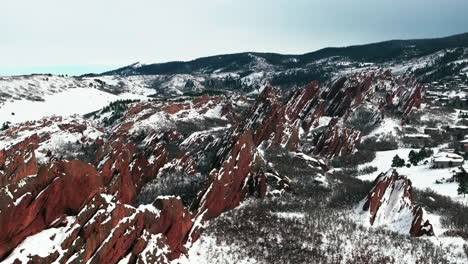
381	52
442	63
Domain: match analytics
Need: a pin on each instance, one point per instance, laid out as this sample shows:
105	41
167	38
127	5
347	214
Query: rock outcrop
282	122
336	141
228	186
390	203
379	88
18	161
31	204
106	231
54	137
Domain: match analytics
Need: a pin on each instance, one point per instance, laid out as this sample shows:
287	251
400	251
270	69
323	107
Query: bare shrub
171	183
360	157
383	143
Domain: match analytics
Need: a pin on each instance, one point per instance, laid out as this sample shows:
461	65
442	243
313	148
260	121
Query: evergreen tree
398	162
463	186
413	157
425	153
5	126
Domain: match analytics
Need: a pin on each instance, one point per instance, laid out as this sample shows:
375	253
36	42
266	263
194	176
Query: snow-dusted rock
390	204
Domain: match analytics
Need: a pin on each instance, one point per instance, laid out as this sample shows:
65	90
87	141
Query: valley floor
321	235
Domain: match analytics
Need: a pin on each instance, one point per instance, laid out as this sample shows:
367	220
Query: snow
147	256
156	119
65	103
324	121
447	157
149	208
208	250
422	176
395	212
417	136
304	156
18	201
291	215
41	244
55	137
388	125
215	112
126	259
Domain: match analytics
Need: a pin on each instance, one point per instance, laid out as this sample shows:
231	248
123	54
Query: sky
75	37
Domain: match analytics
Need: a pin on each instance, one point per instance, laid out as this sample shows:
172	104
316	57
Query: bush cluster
383	143
360	157
172	183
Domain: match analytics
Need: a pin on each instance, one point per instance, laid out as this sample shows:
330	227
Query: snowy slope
421	176
55	134
64	103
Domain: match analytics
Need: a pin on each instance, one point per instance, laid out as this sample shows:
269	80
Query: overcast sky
64	36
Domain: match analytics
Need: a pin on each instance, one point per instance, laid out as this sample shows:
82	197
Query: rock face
54	137
106	231
390	203
87	212
18	161
380	88
229	185
31	204
336	141
282	122
65	206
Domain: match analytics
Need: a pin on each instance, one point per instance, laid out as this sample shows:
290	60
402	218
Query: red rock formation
95	207
100	230
106	231
73	127
336	141
30	205
46	132
228	186
391	203
280	123
351	91
18	161
125	172
419	227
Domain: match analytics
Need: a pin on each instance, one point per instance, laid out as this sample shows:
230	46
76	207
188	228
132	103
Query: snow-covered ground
64	103
41	244
388	126
421	176
56	139
207	250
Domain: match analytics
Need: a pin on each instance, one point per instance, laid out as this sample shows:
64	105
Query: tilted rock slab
390	203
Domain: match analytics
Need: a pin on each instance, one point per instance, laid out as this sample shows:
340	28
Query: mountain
380	52
429	60
436	63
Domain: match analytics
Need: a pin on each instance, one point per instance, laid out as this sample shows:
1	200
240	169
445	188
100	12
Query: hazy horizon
59	37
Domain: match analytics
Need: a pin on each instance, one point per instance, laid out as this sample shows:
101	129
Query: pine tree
5	126
463	186
398	162
413	157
